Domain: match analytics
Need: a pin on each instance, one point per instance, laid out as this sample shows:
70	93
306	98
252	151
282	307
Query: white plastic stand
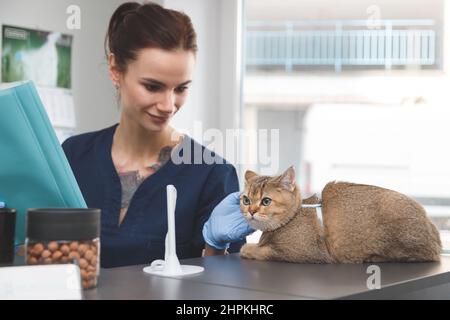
170	266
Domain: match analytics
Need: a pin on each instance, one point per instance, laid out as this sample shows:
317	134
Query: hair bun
121	12
135	26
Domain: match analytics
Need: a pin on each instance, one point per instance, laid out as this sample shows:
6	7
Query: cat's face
269	202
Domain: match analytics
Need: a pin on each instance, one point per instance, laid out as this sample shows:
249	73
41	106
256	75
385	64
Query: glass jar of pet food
57	236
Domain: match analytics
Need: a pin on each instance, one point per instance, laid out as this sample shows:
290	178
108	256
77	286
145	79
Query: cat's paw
248	251
256	252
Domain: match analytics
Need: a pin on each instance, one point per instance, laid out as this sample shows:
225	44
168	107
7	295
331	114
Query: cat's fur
362	223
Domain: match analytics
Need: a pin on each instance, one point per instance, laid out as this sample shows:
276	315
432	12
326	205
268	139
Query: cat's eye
245	200
266	201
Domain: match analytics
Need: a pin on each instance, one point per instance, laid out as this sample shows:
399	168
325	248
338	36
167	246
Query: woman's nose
167	103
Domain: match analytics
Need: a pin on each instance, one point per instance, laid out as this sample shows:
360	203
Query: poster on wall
42	56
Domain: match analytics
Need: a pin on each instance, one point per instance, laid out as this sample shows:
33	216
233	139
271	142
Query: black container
7	227
56	236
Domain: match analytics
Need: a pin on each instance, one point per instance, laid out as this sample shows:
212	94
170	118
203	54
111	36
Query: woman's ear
249	174
114	71
287	179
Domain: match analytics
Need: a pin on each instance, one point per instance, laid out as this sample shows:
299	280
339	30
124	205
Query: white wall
203	95
215	95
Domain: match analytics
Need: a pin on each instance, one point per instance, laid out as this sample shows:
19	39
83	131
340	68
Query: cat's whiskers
256	222
259	225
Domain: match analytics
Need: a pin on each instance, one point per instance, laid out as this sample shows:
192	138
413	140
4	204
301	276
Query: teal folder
34	171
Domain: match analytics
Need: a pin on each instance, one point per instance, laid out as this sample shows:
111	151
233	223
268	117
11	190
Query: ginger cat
362	223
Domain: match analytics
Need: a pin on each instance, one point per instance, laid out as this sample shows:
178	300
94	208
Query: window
358	92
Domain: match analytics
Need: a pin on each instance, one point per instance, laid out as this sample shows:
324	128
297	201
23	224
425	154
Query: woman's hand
226	224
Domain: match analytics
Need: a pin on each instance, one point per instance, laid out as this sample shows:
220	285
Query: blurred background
357	89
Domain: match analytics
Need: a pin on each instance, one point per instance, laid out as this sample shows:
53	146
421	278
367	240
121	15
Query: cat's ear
249	174
287	179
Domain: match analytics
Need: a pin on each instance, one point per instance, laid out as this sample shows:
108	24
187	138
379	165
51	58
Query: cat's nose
251	212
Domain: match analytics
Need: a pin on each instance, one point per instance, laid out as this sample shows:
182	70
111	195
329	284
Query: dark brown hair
135	26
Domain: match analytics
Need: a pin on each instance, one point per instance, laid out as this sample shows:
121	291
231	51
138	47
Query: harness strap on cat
316	205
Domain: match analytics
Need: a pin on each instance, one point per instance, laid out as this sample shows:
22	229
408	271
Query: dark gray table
229	277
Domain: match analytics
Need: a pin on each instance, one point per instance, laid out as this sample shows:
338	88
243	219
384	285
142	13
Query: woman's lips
157	118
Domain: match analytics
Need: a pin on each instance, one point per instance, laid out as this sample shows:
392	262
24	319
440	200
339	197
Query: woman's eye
152	87
181	89
245	200
266	201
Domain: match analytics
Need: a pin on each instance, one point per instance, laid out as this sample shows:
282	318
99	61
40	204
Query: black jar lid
63	224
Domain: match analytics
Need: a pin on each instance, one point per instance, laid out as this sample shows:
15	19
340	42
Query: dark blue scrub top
140	237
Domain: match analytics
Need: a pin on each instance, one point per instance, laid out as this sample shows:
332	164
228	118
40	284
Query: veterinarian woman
124	169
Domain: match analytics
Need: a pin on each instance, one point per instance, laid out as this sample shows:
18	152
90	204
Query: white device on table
170	266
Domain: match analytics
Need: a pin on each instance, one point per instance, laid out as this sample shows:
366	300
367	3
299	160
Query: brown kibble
83	263
32	260
91	283
82	248
85	252
37	249
88	284
94	261
56	255
83	274
73	246
65	249
89	255
53	246
74	255
46	254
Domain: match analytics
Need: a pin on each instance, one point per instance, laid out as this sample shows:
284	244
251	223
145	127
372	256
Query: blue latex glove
226	223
